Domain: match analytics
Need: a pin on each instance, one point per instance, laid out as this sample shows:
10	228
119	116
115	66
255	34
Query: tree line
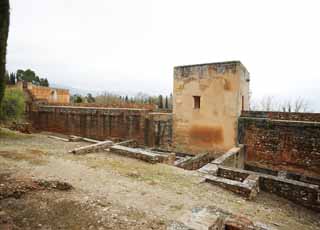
111	99
25	75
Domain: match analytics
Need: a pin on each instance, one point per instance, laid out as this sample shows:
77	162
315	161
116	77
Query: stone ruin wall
276	141
150	129
271	143
50	95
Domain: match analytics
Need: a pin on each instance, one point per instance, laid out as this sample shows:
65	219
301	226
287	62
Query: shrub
13	105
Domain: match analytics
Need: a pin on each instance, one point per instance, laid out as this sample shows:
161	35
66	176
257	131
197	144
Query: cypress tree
160	102
4	31
7	78
166	103
12	79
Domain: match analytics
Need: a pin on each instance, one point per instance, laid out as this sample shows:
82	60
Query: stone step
144	155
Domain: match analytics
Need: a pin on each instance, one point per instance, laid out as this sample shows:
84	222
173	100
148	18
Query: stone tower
207	101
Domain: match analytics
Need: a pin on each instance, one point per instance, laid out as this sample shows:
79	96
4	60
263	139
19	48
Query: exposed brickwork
282	115
284	174
247	188
298	192
281	145
159	130
47	94
151	129
197	162
238	175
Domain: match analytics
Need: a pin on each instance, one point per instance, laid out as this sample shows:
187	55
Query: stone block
211	169
92	148
240	188
144	155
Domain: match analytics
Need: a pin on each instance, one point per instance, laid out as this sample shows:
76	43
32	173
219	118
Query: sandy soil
114	192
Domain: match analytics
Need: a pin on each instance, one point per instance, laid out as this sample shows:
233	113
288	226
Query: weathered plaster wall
152	129
222	88
282	141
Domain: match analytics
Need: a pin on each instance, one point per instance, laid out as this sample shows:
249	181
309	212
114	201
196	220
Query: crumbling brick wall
282	116
150	129
281	141
50	95
158	130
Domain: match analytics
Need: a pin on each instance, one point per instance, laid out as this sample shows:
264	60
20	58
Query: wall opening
196	102
242	103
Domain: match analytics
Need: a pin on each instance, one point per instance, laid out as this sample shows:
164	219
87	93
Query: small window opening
242	103
196	102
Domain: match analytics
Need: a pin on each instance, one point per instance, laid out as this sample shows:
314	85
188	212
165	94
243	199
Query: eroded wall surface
50	95
282	141
151	129
223	89
159	130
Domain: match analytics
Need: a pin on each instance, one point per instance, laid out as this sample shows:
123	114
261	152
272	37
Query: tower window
242	103
196	102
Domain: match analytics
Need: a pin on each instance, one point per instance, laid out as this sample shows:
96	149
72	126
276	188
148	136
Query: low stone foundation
144	155
248	183
196	162
284	174
232	158
212	218
248	188
307	195
235	180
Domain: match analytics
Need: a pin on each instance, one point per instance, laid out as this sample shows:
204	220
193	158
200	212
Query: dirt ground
113	192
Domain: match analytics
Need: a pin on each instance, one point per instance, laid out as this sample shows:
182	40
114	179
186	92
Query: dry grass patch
153	174
32	156
7	133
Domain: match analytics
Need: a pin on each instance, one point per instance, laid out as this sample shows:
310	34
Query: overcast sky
132	46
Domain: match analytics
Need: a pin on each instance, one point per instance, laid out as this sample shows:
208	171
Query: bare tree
301	105
297	105
269	103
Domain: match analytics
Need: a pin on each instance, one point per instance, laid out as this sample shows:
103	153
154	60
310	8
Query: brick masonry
281	141
299	192
151	129
197	161
283	116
